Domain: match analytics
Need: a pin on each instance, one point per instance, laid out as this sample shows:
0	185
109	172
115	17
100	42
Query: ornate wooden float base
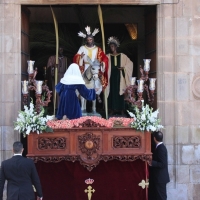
89	146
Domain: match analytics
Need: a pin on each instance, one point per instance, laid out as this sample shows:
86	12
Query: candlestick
24	87
140	85
133	79
30	66
152	83
134	93
39	87
147	64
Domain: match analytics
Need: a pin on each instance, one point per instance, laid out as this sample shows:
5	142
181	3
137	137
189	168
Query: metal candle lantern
140	85
37	86
134	93
152	85
25	91
133	79
24	87
146	64
30	66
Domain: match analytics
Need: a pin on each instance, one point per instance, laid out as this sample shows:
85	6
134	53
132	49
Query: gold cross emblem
143	184
89	191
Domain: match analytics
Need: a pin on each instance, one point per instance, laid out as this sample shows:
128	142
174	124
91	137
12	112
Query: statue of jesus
89	49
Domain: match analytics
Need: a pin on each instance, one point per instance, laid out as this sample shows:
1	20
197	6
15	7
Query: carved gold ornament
89	144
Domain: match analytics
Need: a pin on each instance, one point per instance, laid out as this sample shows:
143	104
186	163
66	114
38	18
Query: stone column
10	74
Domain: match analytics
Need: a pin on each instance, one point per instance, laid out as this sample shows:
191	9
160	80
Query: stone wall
178	94
178	74
10	74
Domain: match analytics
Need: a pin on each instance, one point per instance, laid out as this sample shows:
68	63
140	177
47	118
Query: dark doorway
72	19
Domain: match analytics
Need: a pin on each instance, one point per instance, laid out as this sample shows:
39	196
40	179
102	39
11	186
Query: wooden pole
103	44
56	67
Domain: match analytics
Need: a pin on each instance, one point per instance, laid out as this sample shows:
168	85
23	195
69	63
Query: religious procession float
90	157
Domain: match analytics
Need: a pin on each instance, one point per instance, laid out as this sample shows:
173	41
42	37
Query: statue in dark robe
63	64
119	73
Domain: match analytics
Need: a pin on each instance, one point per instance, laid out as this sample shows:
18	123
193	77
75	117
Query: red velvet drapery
113	180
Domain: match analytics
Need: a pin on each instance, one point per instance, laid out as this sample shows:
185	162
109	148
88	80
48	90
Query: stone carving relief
195	86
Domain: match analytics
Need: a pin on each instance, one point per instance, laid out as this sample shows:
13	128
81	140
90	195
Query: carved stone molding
195	86
89	144
63	2
51	143
126	142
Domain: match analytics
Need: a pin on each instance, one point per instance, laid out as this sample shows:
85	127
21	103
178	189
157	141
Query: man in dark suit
21	175
158	174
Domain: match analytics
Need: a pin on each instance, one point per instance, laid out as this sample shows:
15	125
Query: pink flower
100	122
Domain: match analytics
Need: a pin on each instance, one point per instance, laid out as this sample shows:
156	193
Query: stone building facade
178	83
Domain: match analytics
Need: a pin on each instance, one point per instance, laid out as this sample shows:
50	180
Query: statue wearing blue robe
69	103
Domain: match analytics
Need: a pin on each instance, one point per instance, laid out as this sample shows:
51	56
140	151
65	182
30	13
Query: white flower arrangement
29	121
146	119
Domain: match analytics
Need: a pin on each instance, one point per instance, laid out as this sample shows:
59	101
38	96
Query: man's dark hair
158	135
17	147
112	43
89	36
